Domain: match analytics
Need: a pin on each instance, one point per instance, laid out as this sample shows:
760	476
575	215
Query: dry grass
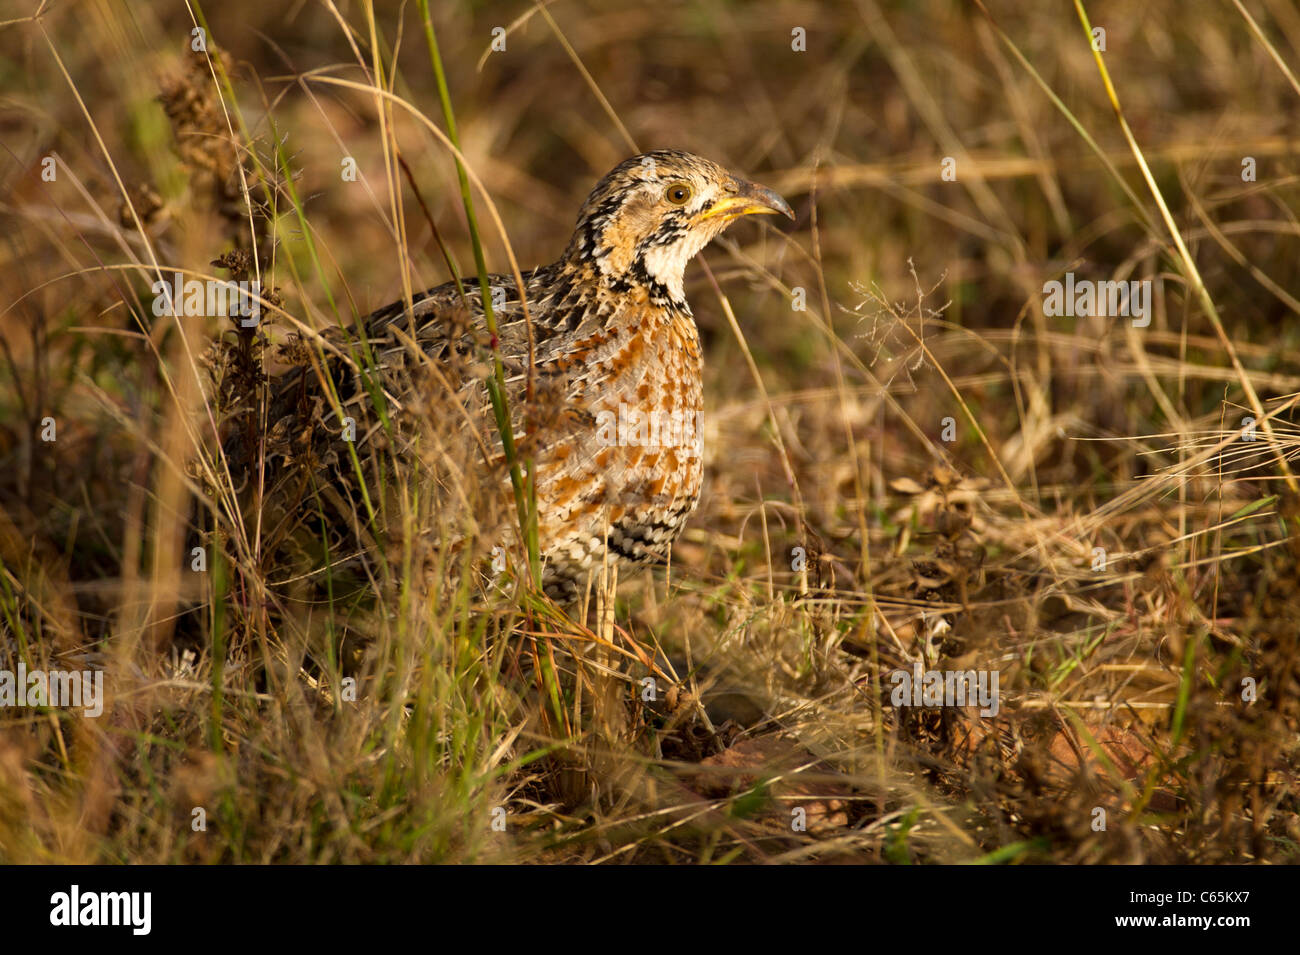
842	536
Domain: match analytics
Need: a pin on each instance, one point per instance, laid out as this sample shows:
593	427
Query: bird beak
749	199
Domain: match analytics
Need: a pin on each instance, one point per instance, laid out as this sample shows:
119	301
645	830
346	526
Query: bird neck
610	254
608	276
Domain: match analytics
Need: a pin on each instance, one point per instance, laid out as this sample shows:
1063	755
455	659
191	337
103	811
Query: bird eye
678	193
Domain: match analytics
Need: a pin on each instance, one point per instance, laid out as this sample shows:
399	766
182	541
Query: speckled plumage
613	424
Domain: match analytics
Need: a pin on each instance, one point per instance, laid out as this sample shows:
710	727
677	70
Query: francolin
611	420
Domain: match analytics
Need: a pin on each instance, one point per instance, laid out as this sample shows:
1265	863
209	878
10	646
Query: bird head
652	213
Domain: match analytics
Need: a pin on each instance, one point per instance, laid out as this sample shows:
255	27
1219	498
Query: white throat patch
666	264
